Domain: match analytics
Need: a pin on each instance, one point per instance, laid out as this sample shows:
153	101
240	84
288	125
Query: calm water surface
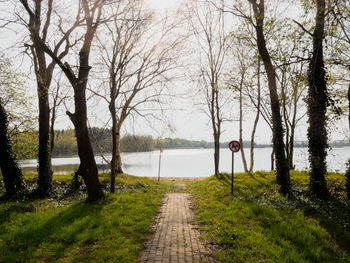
193	162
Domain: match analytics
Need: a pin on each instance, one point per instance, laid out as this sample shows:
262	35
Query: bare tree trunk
252	139
292	132
114	145
116	164
215	126
44	155
88	168
12	174
317	107
92	19
285	118
216	153
241	123
52	130
291	149
119	169
282	174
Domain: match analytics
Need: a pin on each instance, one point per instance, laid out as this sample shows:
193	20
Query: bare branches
303	28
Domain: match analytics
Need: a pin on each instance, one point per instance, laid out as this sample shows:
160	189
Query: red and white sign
234	146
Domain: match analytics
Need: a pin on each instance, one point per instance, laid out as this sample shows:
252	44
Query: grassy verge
73	231
259	225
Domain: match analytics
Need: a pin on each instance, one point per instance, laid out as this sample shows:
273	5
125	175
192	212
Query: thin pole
160	155
233	162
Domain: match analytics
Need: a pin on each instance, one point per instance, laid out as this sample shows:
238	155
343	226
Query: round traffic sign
234	146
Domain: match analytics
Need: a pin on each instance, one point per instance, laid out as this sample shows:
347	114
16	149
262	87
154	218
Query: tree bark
116	164
92	18
216	124
88	168
114	145
282	173
118	158
241	122
216	153
43	76
12	174
257	116
44	154
317	106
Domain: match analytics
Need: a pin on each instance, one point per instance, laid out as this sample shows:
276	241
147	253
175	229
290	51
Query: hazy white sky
188	120
161	5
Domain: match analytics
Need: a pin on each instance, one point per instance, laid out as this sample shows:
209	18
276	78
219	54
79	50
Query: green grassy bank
257	224
73	231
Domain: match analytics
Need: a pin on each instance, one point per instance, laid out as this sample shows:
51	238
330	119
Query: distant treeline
66	144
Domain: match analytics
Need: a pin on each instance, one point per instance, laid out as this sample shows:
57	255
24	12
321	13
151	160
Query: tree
288	57
39	22
92	18
341	15
15	98
317	103
208	26
245	79
138	58
258	22
282	173
10	170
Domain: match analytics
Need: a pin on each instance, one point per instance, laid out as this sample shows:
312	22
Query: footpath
176	240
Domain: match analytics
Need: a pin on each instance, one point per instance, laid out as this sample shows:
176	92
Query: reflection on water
192	162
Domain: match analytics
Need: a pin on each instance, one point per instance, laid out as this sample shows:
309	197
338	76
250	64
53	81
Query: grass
257	224
113	230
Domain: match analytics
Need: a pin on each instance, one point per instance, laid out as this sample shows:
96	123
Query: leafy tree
259	22
341	54
19	110
15	98
25	144
10	170
317	103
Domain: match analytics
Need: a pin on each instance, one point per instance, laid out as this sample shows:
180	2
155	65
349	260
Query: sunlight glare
160	5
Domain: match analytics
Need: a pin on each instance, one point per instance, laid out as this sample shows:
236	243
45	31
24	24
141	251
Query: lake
193	162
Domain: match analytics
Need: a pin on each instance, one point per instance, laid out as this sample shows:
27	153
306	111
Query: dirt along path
175	238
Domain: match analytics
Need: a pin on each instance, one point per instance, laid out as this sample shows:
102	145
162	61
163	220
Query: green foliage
25	144
134	143
181	143
14	93
65	143
347	179
111	231
257	224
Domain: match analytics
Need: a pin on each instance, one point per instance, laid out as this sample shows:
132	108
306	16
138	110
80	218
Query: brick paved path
175	239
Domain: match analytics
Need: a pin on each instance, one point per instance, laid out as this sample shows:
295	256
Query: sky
186	120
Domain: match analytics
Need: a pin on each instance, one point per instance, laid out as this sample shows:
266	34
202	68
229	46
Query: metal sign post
234	146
